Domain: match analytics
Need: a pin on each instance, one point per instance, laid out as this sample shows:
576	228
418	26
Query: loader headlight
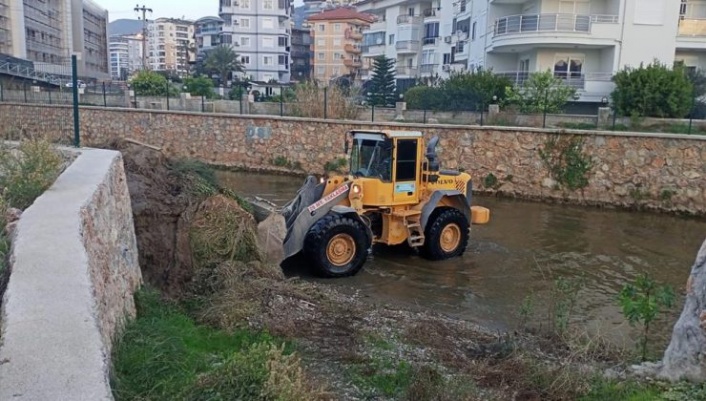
356	191
322	180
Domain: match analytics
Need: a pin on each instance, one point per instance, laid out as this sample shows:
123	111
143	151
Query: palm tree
223	61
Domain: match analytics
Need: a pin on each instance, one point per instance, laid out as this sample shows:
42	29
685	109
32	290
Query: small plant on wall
568	164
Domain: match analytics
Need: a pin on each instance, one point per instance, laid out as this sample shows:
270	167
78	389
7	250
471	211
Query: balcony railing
409	19
430	41
373	50
353	62
550	23
430	13
574	79
408	71
407	46
349	48
694	27
353	34
428	68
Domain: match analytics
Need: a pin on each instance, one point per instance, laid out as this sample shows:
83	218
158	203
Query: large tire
446	235
337	246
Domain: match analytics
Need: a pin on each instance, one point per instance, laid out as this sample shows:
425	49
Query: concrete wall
74	270
630	168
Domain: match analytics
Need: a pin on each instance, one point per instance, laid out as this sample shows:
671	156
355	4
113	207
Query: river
519	254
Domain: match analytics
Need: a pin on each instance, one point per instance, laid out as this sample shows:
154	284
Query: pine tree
382	86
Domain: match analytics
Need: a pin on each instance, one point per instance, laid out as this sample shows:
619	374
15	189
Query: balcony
409	19
428	69
579	81
407	46
373	51
431	41
353	49
407	71
354	34
431	14
379	26
692	34
353	62
542	29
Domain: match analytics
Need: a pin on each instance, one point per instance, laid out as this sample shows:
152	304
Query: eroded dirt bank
198	246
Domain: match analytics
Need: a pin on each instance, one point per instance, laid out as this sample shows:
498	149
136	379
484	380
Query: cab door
406	171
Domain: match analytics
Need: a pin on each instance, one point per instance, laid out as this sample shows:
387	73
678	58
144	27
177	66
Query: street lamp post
546	100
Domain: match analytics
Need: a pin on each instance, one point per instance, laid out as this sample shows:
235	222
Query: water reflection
524	248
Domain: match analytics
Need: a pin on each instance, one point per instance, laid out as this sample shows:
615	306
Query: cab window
406	160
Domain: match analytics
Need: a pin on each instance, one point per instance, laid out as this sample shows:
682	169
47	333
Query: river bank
222	313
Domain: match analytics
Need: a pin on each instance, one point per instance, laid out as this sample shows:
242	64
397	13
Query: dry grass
26	172
310	101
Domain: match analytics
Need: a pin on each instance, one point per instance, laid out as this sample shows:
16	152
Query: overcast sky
191	9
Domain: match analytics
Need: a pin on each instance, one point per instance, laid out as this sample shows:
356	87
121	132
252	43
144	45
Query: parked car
81	84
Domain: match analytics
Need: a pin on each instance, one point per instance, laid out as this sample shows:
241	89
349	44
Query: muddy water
519	254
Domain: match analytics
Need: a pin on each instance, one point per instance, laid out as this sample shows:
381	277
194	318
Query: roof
208	19
342	13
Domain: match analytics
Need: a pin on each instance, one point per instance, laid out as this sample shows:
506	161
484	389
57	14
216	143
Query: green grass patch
165	355
578	126
602	390
384	376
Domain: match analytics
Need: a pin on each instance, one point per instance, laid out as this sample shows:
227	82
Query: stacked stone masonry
652	171
74	271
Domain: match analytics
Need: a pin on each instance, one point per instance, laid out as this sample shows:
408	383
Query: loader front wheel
337	246
446	235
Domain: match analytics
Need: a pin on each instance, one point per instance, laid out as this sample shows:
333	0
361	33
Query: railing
429	12
550	23
694	27
408	71
353	34
30	73
409	19
575	80
407	45
428	68
355	63
349	48
430	41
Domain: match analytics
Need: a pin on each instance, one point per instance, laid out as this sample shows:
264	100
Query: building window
322	28
320	70
447	58
245	41
320	42
337	42
682	8
282	41
568	67
227	39
267	60
268	42
245	23
322	56
337	56
391	39
245	4
283	59
268	23
473	32
245	60
337	27
268	4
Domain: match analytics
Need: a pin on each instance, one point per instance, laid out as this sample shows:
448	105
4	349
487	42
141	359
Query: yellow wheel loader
394	192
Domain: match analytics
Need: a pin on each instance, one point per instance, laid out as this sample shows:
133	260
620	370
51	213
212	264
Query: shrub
25	173
310	101
425	98
541	92
200	86
148	83
653	91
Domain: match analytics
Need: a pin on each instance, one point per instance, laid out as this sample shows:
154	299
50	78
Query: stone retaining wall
74	270
654	171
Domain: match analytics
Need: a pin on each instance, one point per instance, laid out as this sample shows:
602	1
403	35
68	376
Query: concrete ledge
74	269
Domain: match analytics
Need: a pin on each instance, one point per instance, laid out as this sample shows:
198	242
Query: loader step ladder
415	234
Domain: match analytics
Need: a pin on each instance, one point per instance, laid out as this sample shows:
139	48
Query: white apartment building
125	55
582	41
49	32
171	45
260	32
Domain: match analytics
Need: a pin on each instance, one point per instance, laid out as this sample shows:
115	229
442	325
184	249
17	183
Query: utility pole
144	10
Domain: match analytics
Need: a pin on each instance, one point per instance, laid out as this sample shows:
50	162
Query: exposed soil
197	246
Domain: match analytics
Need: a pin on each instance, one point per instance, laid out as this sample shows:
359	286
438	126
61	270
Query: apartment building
336	37
259	31
125	55
301	55
49	32
582	41
171	45
208	32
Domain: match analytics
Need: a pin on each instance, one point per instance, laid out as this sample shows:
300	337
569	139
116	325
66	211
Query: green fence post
74	79
24	88
167	95
325	103
49	92
281	102
372	114
2	94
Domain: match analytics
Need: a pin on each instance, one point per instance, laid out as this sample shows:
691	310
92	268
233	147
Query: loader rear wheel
446	235
337	246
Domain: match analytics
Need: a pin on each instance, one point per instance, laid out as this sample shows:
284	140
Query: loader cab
388	165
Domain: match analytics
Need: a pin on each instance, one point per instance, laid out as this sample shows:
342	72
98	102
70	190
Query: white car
81	84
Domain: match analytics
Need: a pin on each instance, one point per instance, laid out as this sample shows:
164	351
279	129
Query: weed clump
26	172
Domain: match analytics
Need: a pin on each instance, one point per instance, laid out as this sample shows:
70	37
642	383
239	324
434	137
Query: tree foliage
654	91
199	86
149	83
462	91
541	92
223	61
382	86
